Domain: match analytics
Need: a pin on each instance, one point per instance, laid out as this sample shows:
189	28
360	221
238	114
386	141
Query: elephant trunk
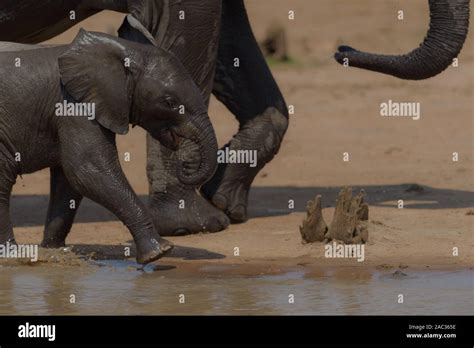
449	23
197	152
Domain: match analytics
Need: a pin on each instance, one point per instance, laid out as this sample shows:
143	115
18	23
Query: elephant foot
50	242
152	250
185	213
256	143
228	192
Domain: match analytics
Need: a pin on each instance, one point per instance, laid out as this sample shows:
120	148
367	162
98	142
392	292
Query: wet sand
337	111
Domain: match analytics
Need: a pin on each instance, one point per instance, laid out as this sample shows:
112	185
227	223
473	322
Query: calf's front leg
90	162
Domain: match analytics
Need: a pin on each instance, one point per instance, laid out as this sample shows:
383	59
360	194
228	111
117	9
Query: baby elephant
60	107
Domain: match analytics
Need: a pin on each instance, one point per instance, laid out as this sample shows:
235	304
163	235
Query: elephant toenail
238	214
219	201
218	223
181	232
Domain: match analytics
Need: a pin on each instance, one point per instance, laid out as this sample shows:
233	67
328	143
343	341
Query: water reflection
118	287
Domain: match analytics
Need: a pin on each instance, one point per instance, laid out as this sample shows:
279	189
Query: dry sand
337	111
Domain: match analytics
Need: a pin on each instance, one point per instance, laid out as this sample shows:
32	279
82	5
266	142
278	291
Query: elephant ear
152	17
92	70
133	30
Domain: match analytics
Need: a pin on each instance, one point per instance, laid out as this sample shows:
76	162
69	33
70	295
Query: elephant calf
106	83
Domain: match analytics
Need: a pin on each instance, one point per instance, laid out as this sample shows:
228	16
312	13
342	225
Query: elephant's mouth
169	138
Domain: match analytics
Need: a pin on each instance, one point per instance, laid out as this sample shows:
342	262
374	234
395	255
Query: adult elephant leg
178	209
63	204
250	92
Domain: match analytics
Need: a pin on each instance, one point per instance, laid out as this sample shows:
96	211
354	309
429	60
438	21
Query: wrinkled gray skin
128	83
449	24
212	35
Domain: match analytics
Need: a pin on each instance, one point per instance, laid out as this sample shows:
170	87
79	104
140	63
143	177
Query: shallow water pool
118	287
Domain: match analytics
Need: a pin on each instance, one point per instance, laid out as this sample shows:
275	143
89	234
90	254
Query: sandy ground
337	111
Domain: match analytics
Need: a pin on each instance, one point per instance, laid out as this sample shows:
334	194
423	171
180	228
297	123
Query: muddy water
120	288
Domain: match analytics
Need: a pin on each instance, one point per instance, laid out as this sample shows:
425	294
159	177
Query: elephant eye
172	104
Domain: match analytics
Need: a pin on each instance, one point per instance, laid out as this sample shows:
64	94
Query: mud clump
383	266
314	228
398	275
59	257
349	223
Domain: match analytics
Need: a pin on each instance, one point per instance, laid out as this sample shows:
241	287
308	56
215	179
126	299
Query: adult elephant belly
189	29
33	21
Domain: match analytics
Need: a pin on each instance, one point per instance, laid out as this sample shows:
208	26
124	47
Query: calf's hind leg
63	204
7	180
